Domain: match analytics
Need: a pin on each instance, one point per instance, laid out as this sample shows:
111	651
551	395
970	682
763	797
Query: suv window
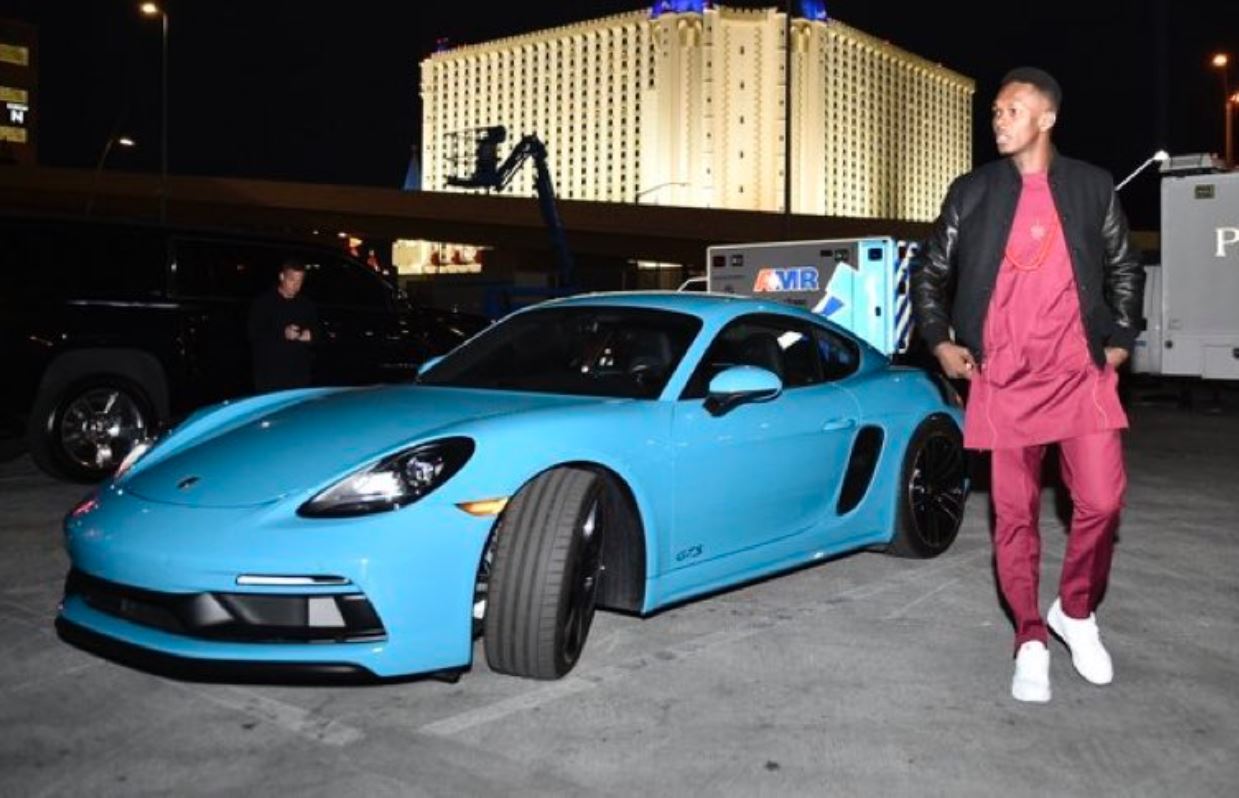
48	260
337	281
225	269
778	344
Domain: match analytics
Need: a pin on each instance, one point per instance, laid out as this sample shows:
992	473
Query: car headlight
393	482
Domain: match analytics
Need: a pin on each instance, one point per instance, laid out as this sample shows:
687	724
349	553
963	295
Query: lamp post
787	115
154	10
637	197
1161	156
113	141
1221	61
1231	102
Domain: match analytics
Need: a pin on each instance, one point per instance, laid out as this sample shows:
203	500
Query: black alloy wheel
933	491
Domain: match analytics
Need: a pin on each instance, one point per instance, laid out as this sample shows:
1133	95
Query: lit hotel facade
686	107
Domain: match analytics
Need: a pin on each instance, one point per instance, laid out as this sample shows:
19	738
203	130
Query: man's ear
1047	120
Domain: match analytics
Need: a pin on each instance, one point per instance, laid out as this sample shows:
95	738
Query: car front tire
543	582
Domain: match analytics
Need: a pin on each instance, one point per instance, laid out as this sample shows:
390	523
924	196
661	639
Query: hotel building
684	105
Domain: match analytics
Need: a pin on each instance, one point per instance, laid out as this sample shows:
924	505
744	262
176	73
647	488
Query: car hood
298	447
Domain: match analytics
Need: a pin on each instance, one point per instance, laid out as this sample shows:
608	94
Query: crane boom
490	173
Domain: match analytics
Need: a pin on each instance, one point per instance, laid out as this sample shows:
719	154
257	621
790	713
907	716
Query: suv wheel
86	429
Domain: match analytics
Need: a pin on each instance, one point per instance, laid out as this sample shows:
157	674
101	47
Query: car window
587	351
92	261
782	345
224	269
337	281
840	355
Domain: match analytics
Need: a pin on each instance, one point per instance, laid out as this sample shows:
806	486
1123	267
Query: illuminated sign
813	9
677	7
1226	237
15	105
14	54
799	278
19	116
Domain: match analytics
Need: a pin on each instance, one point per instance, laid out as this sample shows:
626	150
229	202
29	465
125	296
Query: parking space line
33	589
897	613
44	678
454	724
27	616
597	677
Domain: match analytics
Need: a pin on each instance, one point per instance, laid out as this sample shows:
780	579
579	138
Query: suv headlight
393	482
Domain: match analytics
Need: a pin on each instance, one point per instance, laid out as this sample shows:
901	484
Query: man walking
1046	302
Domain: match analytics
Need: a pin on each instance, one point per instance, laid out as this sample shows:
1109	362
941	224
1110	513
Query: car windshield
589	351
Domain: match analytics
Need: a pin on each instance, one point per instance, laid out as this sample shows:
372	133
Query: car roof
712	308
708	306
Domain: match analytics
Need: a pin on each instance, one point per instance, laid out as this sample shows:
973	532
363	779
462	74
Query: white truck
859	283
1191	300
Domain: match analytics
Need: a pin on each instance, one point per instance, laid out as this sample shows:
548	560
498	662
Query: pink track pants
1092	469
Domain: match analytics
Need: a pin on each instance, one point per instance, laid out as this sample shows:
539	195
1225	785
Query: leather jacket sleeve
932	273
1124	278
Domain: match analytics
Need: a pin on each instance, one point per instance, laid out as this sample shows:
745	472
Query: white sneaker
1031	681
1082	636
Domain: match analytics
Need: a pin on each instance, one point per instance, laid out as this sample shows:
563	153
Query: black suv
110	330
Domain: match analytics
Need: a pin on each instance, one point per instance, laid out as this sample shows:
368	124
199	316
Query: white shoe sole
1030	693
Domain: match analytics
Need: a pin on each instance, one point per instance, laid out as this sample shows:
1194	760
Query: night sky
327	91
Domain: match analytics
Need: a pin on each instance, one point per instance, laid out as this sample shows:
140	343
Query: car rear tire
933	487
543	581
83	431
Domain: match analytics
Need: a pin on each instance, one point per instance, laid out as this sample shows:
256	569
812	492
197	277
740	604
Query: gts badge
691	553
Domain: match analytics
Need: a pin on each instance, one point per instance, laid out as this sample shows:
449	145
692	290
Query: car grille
238	617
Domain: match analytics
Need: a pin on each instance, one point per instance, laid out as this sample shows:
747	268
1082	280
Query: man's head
1025	110
292	275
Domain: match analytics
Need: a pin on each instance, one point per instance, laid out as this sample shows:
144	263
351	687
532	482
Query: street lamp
154	10
1221	61
1161	156
113	141
1231	102
637	197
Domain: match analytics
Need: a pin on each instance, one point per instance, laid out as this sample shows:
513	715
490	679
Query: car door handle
836	424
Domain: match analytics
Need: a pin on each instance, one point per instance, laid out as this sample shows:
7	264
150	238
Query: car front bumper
389	594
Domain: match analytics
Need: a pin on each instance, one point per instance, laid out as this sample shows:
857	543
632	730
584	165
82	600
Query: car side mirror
428	365
739	385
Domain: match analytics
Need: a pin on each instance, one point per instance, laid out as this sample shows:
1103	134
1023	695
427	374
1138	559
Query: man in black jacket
281	332
1030	289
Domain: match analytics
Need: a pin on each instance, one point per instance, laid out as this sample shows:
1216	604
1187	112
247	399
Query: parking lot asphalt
866	675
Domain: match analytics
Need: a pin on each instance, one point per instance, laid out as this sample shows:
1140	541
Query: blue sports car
624	450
